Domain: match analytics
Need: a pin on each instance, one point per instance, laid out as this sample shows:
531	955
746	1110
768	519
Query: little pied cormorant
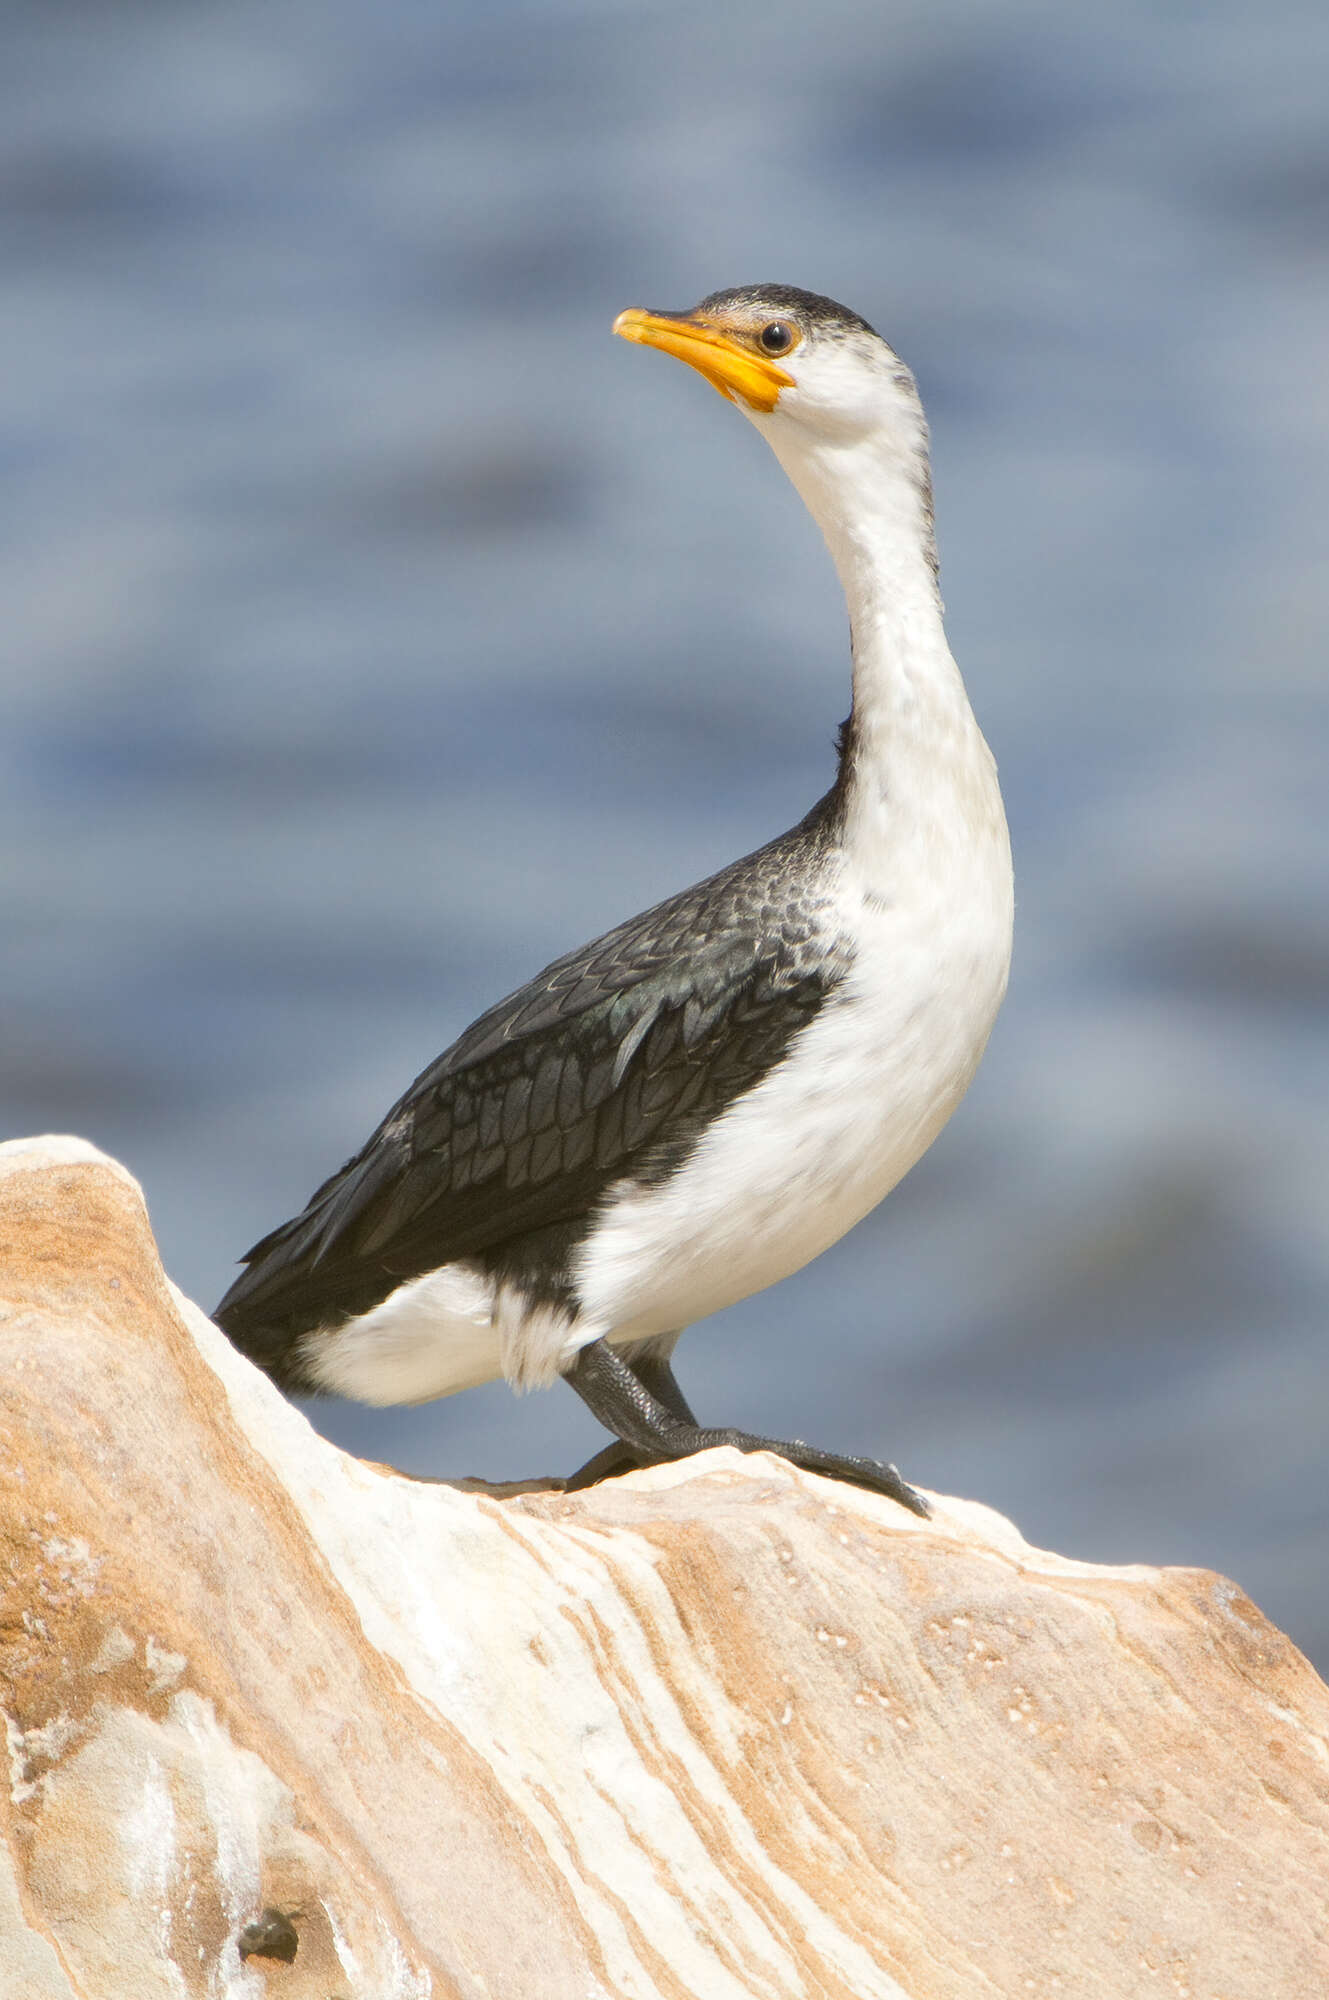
712	1093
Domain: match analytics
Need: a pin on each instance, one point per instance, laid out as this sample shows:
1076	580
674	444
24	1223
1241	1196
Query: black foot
606	1464
649	1434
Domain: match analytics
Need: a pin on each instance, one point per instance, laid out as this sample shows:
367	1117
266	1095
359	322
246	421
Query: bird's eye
777	338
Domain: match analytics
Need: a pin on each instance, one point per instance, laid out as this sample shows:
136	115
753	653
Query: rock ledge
721	1731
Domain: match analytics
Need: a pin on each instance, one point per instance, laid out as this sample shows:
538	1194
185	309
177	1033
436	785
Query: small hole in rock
270	1936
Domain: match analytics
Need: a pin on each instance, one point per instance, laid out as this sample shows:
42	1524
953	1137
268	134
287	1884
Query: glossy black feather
609	1064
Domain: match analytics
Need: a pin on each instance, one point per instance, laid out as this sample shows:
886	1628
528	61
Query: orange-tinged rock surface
283	1723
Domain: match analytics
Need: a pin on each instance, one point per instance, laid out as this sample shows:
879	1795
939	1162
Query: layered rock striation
284	1723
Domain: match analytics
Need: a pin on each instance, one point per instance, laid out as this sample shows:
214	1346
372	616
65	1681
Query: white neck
913	729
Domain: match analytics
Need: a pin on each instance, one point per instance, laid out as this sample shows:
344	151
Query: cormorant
710	1094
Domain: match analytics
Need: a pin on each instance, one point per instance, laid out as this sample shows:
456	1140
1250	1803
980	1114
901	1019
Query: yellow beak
733	369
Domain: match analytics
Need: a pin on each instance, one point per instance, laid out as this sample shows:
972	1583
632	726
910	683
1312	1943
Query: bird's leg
650	1363
651	1432
652	1368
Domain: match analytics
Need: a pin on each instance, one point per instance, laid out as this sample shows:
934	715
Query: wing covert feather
605	1065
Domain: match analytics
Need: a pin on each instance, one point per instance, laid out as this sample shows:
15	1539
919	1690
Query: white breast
793	1164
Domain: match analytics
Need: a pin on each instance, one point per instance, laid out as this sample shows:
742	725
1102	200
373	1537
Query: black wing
608	1064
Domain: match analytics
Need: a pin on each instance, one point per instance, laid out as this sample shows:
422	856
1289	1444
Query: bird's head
789	359
835	403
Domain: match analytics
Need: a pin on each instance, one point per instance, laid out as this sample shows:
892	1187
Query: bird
705	1098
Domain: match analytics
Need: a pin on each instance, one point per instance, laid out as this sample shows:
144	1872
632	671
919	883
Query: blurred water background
376	627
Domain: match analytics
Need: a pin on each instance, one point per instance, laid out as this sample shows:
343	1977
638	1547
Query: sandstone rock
282	1723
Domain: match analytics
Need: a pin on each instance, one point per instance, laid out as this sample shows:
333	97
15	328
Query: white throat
919	769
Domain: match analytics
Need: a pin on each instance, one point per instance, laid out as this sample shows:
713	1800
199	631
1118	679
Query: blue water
376	627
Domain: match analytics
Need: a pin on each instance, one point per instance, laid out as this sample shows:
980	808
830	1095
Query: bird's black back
608	1065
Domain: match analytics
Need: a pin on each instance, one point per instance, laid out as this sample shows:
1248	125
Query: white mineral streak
625	1740
720	1731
